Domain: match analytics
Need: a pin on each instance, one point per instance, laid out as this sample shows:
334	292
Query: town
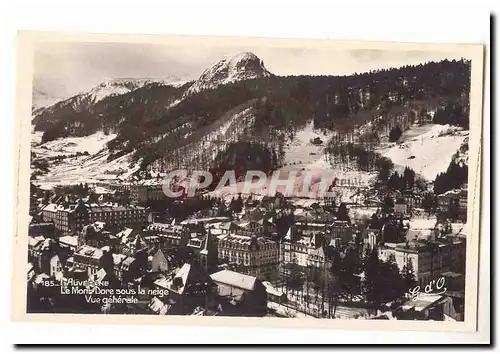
137	251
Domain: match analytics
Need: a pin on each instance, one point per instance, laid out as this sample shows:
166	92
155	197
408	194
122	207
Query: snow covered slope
427	149
199	150
114	87
89	168
301	151
121	86
304	159
91	144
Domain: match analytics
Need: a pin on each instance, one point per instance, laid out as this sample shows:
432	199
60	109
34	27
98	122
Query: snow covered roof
422	301
158	307
270	289
118	258
89	251
235	279
33	241
69	240
422	223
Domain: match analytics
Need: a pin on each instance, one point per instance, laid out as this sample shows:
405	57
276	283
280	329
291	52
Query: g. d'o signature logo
435	287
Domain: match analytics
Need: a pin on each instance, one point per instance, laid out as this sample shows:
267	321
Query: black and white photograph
251	179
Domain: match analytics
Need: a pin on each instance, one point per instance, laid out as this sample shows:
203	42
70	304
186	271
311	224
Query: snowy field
427	149
81	169
89	169
300	151
92	144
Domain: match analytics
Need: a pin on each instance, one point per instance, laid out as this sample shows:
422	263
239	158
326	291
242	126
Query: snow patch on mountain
91	168
243	66
427	149
88	169
91	144
200	152
113	87
121	86
307	165
301	151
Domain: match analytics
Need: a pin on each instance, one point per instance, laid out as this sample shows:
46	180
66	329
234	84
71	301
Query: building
429	260
146	191
91	259
256	227
185	289
142	191
118	258
43	252
308	228
454	306
257	256
401	207
297	250
273	294
130	269
159	263
56	267
34	246
209	254
94	235
462	202
73	217
38	228
371	238
423	307
225	228
244	295
455	200
341	229
318	258
201	222
168	235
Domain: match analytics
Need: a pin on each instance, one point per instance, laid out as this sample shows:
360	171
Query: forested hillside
156	120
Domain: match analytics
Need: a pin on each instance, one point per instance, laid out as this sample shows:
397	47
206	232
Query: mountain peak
242	66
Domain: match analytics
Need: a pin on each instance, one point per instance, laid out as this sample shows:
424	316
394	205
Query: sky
62	69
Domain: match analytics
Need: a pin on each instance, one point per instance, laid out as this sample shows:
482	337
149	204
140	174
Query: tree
394	182
294	279
348	270
371	283
236	205
409	178
429	202
391	282
388	204
408	275
395	133
342	213
332	291
375	222
385	167
453	208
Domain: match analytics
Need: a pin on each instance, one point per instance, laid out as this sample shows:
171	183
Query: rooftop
89	251
234	279
422	302
69	240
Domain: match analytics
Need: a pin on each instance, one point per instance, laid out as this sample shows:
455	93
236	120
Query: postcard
247	181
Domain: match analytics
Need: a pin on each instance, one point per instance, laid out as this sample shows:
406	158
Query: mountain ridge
229	69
